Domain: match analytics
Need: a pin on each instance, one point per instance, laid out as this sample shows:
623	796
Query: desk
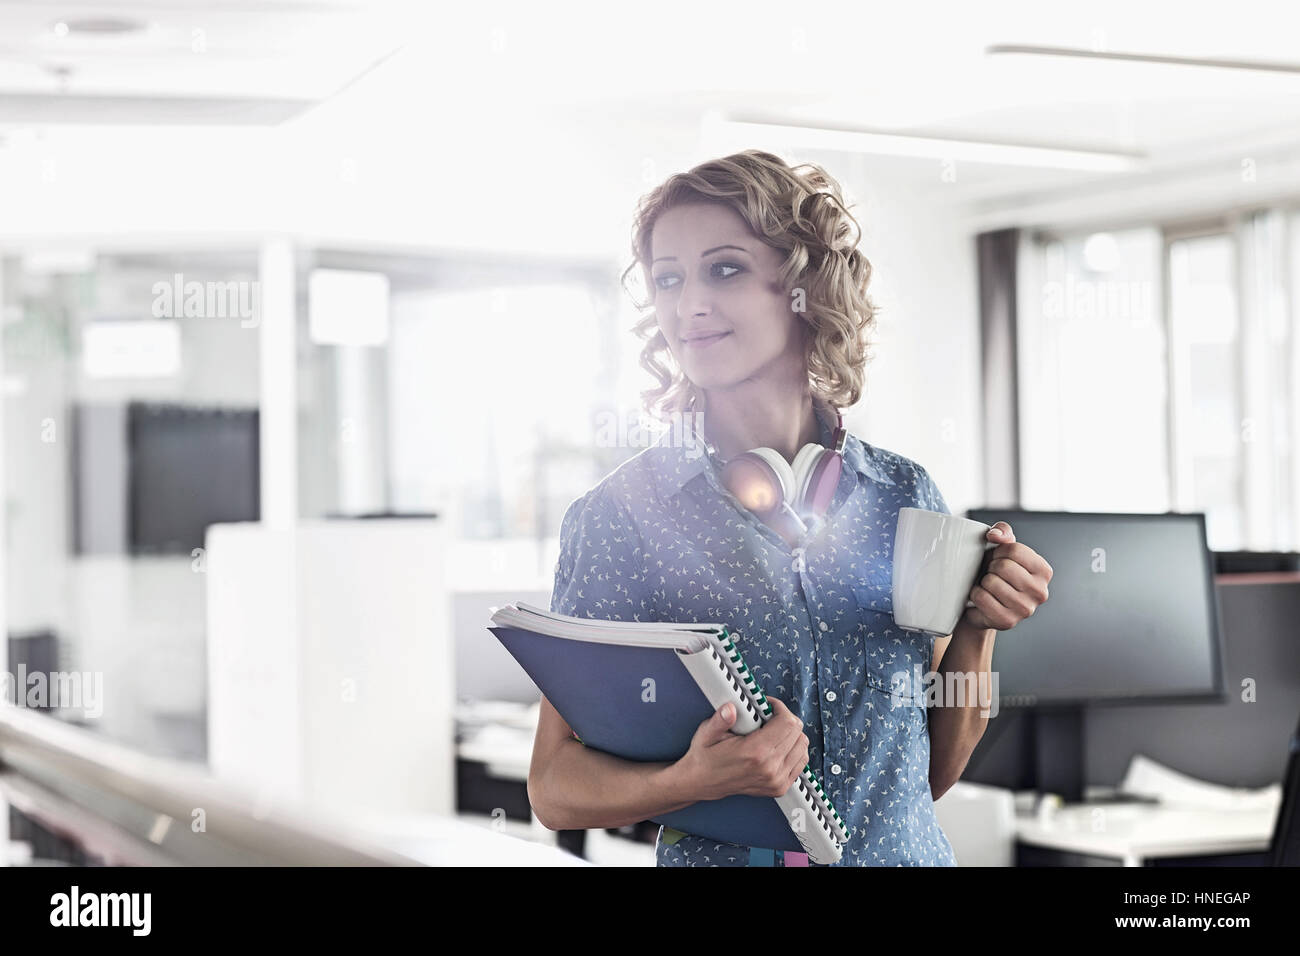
505	756
445	841
492	773
1110	834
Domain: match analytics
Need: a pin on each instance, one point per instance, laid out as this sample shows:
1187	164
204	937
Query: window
475	427
1205	361
1158	370
1091	353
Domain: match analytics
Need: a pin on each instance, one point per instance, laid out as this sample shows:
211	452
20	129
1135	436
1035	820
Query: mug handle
984	564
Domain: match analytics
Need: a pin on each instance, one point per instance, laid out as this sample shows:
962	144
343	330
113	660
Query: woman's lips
705	342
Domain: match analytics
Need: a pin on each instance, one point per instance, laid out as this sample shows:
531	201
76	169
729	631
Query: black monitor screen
1131	610
189	468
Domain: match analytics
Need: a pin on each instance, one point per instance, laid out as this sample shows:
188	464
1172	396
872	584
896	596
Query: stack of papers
1174	789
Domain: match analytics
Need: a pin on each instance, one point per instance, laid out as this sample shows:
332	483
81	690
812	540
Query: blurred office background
342	280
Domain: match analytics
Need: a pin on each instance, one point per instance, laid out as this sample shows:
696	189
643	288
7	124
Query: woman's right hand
763	763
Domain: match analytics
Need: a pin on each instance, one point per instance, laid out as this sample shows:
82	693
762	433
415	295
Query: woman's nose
693	300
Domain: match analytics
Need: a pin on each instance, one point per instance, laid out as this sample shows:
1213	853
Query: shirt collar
681	456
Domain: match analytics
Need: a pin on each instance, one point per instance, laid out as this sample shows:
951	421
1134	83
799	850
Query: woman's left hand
1013	588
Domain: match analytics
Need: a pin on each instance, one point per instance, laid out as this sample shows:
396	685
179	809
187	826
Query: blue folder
597	689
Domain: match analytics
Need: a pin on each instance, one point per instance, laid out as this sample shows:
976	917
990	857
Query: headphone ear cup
759	479
782	469
805	463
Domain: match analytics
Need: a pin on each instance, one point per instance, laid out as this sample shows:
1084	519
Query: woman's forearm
585	789
956	723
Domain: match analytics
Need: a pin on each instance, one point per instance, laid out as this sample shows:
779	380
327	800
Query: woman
759	298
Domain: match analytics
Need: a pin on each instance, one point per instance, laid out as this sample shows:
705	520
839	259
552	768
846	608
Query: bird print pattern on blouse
661	539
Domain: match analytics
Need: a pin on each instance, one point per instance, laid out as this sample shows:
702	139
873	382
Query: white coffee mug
938	558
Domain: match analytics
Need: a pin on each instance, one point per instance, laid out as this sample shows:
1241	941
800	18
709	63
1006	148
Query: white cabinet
330	663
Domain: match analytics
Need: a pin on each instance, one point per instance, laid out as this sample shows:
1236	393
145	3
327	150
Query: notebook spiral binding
809	785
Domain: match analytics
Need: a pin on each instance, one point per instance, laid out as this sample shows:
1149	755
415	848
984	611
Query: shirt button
830	695
822	625
835	769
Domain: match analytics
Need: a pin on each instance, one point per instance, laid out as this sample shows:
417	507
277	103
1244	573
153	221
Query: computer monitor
1132	617
1131	614
36	652
189	467
485	670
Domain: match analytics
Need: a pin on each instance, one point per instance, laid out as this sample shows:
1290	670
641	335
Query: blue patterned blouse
660	539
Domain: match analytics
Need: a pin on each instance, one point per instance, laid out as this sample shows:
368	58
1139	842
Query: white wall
923	385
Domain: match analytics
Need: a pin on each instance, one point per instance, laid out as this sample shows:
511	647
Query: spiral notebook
640	691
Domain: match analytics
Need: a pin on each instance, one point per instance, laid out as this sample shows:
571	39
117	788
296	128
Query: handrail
90	832
156	800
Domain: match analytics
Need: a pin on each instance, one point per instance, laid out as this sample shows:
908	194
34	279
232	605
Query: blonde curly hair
799	211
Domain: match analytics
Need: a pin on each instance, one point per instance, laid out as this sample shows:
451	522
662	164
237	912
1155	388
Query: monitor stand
1056	747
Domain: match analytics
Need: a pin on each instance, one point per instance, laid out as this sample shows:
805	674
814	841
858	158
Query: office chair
1285	848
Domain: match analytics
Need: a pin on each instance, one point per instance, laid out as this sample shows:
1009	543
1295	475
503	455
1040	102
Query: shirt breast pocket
874	593
894	660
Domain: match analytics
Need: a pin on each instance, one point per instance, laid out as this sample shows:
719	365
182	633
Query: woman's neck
736	421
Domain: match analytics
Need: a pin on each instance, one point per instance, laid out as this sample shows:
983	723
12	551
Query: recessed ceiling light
1197	61
98	27
724	132
1101	252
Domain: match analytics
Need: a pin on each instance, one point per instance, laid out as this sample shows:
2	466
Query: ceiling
642	76
248	62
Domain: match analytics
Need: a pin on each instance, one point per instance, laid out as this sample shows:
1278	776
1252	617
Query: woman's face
710	275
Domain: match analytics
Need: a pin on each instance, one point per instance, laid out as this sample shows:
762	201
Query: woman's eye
659	282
